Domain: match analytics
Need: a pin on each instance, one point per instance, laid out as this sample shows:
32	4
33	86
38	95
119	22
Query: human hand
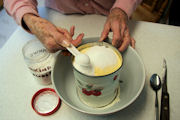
117	22
53	38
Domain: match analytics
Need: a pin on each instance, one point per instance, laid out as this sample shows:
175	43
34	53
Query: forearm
37	25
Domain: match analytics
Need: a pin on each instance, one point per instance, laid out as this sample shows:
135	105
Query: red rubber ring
48	113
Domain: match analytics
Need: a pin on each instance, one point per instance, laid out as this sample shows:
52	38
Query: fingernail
101	39
65	43
103	36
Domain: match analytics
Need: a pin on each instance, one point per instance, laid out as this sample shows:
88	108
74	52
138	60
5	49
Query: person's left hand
117	22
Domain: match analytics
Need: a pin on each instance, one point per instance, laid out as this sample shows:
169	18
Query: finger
65	53
51	45
116	41
123	28
66	37
72	31
61	30
65	33
78	40
132	43
61	39
105	32
126	41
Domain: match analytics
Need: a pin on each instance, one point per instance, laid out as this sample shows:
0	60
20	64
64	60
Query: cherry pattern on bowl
96	92
115	77
86	92
89	90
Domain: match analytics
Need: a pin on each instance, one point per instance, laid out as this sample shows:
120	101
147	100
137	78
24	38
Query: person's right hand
53	38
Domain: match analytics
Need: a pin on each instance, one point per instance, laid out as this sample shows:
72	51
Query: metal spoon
155	82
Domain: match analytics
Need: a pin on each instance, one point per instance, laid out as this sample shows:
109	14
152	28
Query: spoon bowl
155	82
81	59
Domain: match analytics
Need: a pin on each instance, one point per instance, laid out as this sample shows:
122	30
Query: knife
164	114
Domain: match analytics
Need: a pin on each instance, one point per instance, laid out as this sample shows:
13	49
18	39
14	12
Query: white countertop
153	43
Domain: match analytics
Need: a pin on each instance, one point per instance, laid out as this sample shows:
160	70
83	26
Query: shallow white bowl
132	75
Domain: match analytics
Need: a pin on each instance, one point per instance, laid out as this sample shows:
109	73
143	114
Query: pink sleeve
127	5
17	8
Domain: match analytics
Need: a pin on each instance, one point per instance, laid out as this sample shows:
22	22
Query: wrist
28	20
119	11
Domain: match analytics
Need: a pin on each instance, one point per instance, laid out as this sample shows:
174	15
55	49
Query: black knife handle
164	115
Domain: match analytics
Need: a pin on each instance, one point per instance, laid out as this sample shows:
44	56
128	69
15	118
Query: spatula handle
73	50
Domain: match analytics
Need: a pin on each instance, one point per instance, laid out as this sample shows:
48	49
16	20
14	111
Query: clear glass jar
39	61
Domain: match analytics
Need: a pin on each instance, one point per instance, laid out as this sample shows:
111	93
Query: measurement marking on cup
37	52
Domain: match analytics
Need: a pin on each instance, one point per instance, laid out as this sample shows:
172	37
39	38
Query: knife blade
164	113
